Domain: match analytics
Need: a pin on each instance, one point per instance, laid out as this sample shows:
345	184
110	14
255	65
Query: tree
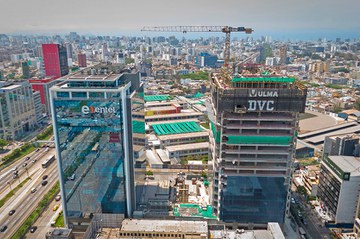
357	104
3	143
301	190
337	108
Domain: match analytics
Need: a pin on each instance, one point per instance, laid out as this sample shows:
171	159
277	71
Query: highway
6	175
25	202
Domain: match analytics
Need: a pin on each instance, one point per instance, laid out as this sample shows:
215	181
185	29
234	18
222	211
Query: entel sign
91	110
262	105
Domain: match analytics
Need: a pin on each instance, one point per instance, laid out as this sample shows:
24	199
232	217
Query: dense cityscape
169	136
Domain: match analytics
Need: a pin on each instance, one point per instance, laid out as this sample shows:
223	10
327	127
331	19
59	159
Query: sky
285	19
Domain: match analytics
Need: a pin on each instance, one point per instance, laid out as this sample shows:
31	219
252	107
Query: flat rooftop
174	115
326	130
143	225
321	138
182	136
193	146
349	164
170	107
83	77
10	87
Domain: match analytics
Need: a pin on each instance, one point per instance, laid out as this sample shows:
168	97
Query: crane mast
184	29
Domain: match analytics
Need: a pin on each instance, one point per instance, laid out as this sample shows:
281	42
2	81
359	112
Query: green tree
337	108
3	143
301	190
357	104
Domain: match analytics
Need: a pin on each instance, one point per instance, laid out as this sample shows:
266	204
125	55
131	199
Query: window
79	94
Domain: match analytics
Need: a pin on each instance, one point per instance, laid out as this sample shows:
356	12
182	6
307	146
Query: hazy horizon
280	19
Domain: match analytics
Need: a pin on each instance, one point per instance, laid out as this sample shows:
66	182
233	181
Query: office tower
120	58
17	110
38	107
82	60
340	145
92	120
55	60
205	59
69	50
339	187
283	55
25	70
254	126
43	86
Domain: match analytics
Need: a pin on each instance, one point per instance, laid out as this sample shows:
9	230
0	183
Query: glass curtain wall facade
93	141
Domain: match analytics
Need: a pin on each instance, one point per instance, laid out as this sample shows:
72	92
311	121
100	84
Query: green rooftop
257	139
149	98
193	210
264	79
177	128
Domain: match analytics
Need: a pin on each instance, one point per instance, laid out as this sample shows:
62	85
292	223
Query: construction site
254	124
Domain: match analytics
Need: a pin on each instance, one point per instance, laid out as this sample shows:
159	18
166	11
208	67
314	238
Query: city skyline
282	20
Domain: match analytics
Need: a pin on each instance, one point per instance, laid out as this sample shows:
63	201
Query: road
25	202
313	225
44	221
6	175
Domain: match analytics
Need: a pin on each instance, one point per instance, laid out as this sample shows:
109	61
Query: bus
48	161
302	233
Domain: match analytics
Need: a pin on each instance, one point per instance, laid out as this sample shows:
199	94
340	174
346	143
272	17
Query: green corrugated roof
148	98
264	79
138	127
208	213
177	128
258	139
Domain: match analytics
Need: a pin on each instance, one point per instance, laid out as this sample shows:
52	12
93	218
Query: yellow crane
184	29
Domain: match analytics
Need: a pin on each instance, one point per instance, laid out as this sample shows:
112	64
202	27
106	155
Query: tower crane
184	29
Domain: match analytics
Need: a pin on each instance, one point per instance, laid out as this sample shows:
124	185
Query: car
14	168
33	229
15	176
299	214
72	177
55	207
34	161
24	165
58	197
12	212
293	201
27	158
44	177
37	150
33	190
47	149
44	182
3	228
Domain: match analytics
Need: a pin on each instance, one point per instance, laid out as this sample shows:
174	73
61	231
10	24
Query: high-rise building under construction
254	125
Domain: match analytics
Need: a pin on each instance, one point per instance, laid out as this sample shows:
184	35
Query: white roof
158	225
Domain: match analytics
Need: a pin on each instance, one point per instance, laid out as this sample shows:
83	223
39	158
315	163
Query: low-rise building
310	179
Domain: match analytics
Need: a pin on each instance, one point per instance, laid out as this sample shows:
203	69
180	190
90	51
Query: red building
55	60
82	60
43	86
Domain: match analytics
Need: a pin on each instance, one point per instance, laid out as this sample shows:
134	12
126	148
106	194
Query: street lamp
9	185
